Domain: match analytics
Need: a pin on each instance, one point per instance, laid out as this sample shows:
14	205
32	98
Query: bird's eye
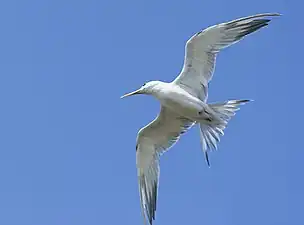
144	84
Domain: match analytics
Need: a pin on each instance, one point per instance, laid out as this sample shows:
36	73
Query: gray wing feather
154	139
203	47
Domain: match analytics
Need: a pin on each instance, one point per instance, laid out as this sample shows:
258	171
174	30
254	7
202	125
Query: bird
183	104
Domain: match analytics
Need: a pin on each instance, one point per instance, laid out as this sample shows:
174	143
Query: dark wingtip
245	100
274	14
207	159
253	26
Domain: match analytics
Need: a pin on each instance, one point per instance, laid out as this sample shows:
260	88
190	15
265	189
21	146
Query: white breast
180	101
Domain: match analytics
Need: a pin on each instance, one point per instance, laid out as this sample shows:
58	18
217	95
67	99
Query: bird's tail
210	131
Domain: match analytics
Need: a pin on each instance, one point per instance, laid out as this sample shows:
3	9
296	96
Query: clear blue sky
67	149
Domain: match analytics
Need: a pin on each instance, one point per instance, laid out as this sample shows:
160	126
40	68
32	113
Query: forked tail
210	132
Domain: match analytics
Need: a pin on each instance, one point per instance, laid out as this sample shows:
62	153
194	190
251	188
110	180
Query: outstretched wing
152	141
202	48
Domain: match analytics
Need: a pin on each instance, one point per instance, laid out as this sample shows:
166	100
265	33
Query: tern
183	104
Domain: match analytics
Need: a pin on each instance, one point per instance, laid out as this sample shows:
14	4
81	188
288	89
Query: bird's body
179	100
184	104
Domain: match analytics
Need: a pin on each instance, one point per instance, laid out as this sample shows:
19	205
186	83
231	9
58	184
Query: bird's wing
152	141
201	50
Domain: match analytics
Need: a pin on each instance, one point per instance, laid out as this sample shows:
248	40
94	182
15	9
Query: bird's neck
157	90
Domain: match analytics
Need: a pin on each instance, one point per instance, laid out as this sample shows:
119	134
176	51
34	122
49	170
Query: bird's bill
131	93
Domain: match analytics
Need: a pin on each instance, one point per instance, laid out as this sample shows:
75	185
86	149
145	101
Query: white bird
183	104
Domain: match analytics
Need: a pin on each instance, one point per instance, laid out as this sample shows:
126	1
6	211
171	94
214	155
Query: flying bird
183	104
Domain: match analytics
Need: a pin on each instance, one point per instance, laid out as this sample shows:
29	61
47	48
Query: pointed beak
131	93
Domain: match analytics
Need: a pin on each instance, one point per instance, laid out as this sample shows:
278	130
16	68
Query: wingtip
275	14
270	14
207	159
247	100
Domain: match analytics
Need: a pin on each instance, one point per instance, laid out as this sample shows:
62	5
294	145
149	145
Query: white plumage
183	104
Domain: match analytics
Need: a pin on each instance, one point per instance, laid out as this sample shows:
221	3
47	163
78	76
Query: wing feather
202	48
152	140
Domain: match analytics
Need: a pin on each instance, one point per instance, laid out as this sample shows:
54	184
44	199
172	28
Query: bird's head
146	88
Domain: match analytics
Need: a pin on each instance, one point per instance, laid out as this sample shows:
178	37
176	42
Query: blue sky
67	149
